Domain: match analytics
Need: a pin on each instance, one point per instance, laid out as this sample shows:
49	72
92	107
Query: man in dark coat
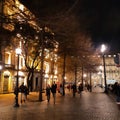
53	89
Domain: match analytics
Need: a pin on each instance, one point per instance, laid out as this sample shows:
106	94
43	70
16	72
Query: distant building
112	71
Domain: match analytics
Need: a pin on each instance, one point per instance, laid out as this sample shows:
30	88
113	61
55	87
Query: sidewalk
90	106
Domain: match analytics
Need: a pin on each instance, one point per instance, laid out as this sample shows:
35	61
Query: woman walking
48	90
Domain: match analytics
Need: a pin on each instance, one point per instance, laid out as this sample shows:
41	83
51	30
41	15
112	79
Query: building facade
111	69
15	12
8	71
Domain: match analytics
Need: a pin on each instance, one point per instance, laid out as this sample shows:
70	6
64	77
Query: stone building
111	69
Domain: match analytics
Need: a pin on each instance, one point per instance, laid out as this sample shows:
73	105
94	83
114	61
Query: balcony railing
10	66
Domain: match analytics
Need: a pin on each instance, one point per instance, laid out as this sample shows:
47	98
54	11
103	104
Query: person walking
48	91
74	89
22	90
26	92
53	89
80	89
61	89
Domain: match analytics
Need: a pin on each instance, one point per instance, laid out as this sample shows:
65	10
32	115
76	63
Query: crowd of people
71	87
114	88
50	90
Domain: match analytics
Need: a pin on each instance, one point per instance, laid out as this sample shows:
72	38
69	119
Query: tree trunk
64	65
75	74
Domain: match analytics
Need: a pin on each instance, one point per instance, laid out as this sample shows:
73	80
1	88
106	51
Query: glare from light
1	67
18	51
100	67
84	75
103	48
21	7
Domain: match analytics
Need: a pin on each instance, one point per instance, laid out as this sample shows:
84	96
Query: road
90	106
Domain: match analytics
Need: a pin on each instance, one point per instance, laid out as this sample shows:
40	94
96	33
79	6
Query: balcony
9	66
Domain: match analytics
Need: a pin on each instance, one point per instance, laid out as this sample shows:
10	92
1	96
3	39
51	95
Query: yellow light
1	67
6	73
21	7
20	73
46	76
84	75
18	51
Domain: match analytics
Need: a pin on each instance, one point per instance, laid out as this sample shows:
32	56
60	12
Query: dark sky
104	21
101	18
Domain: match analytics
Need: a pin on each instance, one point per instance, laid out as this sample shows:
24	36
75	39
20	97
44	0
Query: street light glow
100	67
103	48
1	67
84	75
18	51
21	7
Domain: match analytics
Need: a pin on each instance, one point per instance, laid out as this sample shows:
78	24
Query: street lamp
1	67
103	49
18	52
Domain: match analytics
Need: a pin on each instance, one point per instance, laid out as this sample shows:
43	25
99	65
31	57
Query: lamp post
18	52
100	74
103	49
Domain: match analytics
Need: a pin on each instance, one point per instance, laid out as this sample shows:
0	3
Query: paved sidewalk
90	106
97	89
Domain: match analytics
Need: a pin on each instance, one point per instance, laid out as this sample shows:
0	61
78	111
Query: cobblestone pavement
90	106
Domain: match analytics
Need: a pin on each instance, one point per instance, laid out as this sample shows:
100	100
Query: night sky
101	18
104	25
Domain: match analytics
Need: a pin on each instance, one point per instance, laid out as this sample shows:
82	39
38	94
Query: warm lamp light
18	51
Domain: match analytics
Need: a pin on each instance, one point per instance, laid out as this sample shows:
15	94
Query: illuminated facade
12	12
112	72
9	70
97	77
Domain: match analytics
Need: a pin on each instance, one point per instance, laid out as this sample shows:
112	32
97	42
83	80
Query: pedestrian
69	87
22	90
88	87
74	89
118	94
61	89
80	89
48	91
53	89
26	91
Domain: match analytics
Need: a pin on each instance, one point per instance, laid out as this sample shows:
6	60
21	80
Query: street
90	106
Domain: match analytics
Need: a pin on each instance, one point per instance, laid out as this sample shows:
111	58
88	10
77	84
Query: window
7	58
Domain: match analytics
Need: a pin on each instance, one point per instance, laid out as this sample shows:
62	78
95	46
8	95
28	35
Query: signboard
111	81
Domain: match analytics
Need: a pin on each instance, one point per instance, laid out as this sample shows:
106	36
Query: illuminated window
22	64
7	58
